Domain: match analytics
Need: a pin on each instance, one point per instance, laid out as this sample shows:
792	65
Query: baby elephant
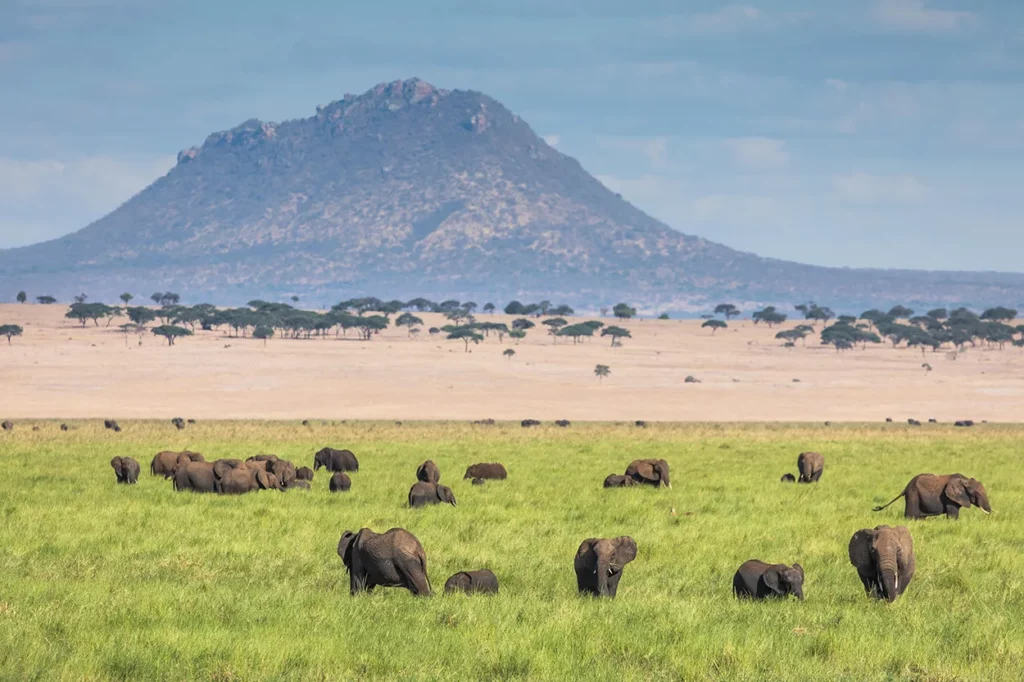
428	472
599	564
884	559
758	580
787	478
472	582
424	493
304	474
126	469
340	482
618	481
810	465
493	470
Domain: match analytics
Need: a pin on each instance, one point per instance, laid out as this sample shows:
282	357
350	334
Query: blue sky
847	132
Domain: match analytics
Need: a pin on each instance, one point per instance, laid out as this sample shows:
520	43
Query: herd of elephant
883	556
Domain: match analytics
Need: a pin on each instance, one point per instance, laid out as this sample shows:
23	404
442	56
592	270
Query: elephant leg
913	502
581	583
815	476
952	511
613	583
870	584
414	579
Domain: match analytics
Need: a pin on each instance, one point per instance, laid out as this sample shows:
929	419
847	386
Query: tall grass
99	581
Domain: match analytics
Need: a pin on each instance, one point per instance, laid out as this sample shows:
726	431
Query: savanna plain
104	581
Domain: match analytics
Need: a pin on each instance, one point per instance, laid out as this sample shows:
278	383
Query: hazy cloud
865	188
726	20
654	149
758	153
917	16
553	140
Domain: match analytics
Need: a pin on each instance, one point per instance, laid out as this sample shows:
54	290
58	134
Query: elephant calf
428	472
931	495
244	479
810	465
493	470
618	481
472	582
649	472
340	482
884	559
787	478
126	469
304	474
599	564
299	483
423	494
758	580
8	425
392	559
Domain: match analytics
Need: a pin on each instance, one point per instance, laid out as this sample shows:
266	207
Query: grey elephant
787	478
492	470
649	472
931	495
223	467
244	479
7	425
335	460
810	465
392	559
884	559
600	562
340	482
428	472
166	463
618	481
283	469
478	481
126	469
304	474
263	458
423	494
759	580
197	477
472	582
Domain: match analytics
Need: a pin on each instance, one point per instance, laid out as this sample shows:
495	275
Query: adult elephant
472	582
246	480
810	465
428	472
758	580
197	477
618	481
340	482
166	463
304	474
649	472
223	467
126	469
884	559
931	495
263	458
599	564
283	469
492	470
422	494
392	559
335	460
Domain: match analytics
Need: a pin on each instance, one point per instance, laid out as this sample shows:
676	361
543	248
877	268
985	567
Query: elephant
757	580
340	482
650	472
112	425
428	472
884	559
166	463
197	477
263	464
600	562
931	495
640	424
392	559
478	481
335	460
283	469
63	427
618	481
304	474
492	470
787	478
186	457
913	422
472	582
964	423
527	423
484	422
8	425
178	423
245	480
300	484
126	469
263	458
223	467
810	465
564	423
423	494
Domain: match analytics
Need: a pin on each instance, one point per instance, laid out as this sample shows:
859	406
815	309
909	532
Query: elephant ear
771	579
116	463
800	569
585	547
860	547
906	541
263	479
345	547
955	491
625	550
447	495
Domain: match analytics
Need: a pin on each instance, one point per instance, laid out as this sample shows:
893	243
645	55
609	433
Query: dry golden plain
59	369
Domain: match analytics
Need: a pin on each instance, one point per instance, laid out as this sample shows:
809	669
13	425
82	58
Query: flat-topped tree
999	314
409	321
769	315
421	304
561	310
126	298
727	309
141	315
263	333
466	335
602	371
517	334
515	308
10	331
714	325
553	325
371	324
508	353
522	324
82	312
617	334
46	300
489	308
171	332
901	312
576	331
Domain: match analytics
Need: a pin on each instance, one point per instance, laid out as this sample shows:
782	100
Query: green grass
99	581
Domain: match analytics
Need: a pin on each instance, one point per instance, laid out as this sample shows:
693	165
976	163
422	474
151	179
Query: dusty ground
60	369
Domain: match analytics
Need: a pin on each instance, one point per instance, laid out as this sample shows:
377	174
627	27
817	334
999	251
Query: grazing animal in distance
563	423
472	582
884	559
964	423
599	564
913	422
527	423
483	422
888	420
931	495
492	470
340	482
640	423
392	559
756	579
179	423
63	427
810	465
126	469
8	425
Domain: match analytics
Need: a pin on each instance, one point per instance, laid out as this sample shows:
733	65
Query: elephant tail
902	493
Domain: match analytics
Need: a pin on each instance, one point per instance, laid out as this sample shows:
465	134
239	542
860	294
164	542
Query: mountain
411	190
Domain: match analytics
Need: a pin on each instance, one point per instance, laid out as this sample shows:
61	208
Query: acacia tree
126	298
727	309
408	320
517	334
465	334
602	371
10	331
171	332
263	332
714	325
553	325
46	300
769	316
508	353
21	297
623	311
617	334
488	308
141	315
576	331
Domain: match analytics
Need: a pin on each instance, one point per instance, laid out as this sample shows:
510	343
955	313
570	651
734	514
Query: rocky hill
411	190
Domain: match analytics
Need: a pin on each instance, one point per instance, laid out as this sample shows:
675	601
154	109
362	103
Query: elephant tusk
985	511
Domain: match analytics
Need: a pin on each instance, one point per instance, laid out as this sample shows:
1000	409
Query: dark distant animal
35	428
472	582
8	425
304	474
649	472
600	562
335	460
964	423
787	478
63	427
933	421
484	422
492	470
340	482
112	425
563	423
392	559
262	458
422	494
126	469
618	481
197	477
191	421
166	463
640	423
931	495
884	559
810	465
428	472
398	423
527	423
913	422
757	580
305	422
888	420
478	481
179	423
828	423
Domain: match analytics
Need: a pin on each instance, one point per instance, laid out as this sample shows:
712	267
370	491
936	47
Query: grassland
99	581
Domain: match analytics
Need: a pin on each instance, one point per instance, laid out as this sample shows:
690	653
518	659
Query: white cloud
553	140
836	84
917	16
758	153
865	188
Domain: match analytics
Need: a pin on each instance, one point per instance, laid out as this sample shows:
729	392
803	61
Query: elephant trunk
602	576
890	582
